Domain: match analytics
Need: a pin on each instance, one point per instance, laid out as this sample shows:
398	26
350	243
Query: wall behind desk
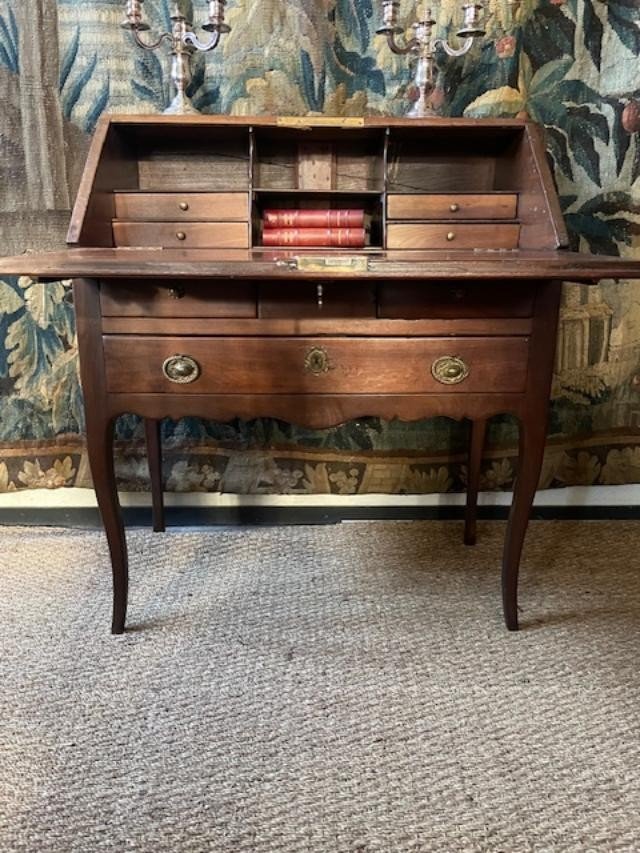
572	66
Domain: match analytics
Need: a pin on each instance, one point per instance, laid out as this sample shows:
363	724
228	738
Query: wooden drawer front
455	300
453	206
182	235
313	365
179	299
415	235
148	207
305	299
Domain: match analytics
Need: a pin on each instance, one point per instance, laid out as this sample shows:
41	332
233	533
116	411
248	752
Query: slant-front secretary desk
450	310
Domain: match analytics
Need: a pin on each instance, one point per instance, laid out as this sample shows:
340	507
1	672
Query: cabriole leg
533	433
152	430
476	446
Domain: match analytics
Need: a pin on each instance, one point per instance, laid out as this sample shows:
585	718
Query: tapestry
572	65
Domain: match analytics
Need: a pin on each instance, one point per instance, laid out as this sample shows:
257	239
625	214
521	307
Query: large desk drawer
314	365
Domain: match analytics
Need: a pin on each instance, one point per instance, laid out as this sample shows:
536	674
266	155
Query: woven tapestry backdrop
570	64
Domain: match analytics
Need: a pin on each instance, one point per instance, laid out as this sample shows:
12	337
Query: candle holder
425	44
183	43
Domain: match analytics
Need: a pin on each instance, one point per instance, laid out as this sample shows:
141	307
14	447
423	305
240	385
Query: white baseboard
575	496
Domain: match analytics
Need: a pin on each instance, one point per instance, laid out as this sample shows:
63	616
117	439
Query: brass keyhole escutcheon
181	369
181	235
184	206
454	208
317	361
450	370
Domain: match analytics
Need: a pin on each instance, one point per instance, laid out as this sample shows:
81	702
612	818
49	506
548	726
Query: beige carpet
345	689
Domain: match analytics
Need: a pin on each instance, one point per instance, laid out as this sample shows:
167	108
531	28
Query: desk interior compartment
168	299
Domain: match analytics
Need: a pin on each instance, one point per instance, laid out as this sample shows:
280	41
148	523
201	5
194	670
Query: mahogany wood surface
317	337
183	207
416	235
453	206
349	366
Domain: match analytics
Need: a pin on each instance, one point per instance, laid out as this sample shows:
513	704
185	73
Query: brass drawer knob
181	235
449	370
181	369
317	361
451	236
184	206
454	208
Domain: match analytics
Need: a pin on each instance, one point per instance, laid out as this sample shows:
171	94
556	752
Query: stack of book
320	228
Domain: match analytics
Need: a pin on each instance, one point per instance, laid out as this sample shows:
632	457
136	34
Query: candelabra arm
452	51
155	45
401	50
193	40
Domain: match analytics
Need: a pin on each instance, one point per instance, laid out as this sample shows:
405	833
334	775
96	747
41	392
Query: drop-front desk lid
287	265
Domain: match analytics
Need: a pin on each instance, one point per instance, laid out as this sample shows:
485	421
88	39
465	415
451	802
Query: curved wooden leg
533	433
476	446
154	456
100	451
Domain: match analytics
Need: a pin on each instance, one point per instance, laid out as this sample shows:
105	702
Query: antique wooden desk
451	310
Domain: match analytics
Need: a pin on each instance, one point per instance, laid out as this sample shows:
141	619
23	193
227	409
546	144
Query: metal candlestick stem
183	43
424	45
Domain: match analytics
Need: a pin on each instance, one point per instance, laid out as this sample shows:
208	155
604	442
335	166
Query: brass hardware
303	122
177	292
450	370
320	294
181	235
451	236
181	369
329	264
454	208
184	205
317	361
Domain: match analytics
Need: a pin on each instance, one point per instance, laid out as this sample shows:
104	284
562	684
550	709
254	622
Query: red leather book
314	218
354	238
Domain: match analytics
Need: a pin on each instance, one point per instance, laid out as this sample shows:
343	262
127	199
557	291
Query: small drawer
447	300
453	206
162	207
415	235
207	365
182	235
306	299
184	298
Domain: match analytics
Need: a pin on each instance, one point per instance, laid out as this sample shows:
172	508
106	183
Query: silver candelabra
424	45
183	44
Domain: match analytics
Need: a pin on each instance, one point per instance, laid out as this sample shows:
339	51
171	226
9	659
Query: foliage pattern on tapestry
572	65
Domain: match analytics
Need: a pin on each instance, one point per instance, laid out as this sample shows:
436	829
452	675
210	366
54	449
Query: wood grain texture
452	206
364	366
182	207
276	265
404	235
195	235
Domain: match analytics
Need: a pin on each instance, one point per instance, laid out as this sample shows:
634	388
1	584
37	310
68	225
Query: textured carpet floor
347	689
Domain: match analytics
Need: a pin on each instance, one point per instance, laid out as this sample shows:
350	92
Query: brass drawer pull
181	369
181	235
184	206
449	370
317	361
454	208
451	236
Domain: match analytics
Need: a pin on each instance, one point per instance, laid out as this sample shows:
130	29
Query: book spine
313	218
354	238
